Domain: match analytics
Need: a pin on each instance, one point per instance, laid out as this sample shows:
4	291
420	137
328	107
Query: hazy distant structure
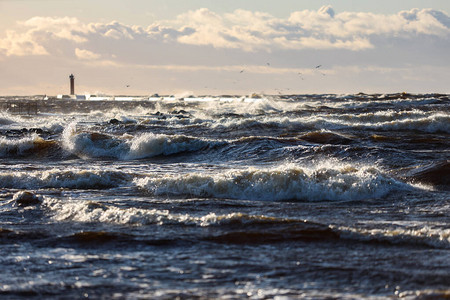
72	84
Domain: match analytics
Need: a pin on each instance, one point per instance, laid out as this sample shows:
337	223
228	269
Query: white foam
149	145
417	120
92	144
327	181
85	211
56	178
425	234
88	212
20	146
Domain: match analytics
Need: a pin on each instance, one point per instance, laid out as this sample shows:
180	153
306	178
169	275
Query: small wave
91	211
102	212
73	179
95	237
286	182
88	211
437	174
6	121
430	122
12	236
325	137
233	124
298	232
423	121
424	235
242	228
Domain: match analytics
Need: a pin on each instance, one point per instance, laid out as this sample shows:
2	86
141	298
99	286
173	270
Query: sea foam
32	145
73	178
127	147
285	182
149	145
424	234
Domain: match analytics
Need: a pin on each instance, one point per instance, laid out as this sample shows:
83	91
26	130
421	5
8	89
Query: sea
263	197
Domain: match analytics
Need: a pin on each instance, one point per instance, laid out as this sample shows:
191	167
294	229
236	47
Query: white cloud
57	28
116	30
86	54
20	44
244	30
204	46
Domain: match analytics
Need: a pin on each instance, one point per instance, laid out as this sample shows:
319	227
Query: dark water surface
305	196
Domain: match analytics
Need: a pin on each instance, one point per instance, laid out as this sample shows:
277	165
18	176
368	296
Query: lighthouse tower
72	84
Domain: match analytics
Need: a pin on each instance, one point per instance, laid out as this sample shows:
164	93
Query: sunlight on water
306	196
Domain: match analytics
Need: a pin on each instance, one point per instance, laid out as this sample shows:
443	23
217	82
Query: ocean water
292	197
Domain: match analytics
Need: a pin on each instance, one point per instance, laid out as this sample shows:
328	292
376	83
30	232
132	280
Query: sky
209	47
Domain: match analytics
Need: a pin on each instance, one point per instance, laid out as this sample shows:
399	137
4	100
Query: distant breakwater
30	107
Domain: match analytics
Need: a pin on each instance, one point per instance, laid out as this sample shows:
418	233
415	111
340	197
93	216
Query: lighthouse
72	84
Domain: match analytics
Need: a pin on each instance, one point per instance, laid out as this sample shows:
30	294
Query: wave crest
149	145
32	145
126	147
286	182
73	179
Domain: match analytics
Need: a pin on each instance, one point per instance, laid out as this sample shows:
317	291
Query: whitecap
326	181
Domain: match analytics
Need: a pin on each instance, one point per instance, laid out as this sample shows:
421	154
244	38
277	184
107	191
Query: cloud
86	54
115	30
21	44
205	46
243	30
327	11
57	28
36	33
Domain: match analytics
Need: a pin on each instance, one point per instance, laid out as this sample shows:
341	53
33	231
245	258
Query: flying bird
318	66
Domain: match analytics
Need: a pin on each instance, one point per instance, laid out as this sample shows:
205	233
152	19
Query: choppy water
307	196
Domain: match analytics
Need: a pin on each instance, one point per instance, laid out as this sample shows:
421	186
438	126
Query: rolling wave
286	182
127	147
423	121
32	145
55	178
241	228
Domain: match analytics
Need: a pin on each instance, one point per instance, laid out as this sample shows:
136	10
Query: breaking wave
32	145
265	229
126	147
430	122
54	178
286	182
